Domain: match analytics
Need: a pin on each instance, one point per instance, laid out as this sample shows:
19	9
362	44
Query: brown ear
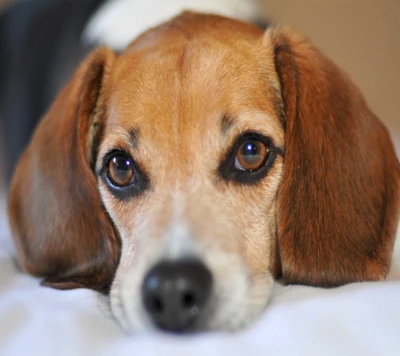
338	203
59	224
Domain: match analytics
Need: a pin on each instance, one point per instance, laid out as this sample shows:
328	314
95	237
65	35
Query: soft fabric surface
358	319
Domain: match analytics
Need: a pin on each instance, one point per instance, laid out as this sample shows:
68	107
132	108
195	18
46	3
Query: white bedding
358	319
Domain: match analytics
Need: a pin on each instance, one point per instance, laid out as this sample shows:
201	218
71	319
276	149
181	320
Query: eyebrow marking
226	123
134	136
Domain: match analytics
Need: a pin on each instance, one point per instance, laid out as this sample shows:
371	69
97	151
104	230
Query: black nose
175	292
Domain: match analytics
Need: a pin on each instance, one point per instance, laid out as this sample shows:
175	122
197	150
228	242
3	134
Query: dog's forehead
186	77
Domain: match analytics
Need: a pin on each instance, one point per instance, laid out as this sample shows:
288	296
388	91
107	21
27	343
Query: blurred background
362	37
38	36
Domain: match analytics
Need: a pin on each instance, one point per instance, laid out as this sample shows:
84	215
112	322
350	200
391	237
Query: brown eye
251	155
120	170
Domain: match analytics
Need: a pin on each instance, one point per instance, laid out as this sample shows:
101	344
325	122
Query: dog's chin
237	300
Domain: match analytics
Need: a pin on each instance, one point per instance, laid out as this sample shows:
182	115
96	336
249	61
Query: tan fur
325	214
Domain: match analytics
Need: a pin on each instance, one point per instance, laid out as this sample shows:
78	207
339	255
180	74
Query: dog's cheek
258	229
126	299
262	245
260	242
126	217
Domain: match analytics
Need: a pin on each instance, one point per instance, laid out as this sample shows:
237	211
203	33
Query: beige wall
362	36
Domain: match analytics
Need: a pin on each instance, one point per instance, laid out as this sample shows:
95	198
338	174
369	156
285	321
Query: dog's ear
59	224
338	203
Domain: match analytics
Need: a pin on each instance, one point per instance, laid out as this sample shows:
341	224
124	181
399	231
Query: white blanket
358	319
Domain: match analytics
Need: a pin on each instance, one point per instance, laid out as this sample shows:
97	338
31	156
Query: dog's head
187	173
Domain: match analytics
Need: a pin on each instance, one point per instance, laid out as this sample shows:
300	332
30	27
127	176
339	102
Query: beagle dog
208	159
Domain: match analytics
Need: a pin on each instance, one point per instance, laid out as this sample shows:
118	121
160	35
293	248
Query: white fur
178	242
118	22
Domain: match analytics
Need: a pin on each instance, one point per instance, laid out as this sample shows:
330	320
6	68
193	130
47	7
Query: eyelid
108	148
250	135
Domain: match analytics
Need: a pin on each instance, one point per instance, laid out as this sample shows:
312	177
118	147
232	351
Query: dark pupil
121	164
251	152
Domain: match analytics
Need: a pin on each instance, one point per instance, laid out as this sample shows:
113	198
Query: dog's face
201	163
189	167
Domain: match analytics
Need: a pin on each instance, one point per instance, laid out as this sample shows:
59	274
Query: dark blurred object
40	46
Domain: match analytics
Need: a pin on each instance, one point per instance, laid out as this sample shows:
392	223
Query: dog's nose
175	293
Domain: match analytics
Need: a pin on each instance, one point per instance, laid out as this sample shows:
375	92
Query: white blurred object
118	22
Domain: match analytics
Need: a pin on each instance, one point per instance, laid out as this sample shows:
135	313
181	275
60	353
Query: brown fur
333	219
338	203
60	227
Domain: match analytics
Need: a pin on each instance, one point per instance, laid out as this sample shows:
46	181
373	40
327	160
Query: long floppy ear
61	229
338	204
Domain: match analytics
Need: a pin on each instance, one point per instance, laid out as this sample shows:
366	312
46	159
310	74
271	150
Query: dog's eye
250	159
251	155
120	169
124	177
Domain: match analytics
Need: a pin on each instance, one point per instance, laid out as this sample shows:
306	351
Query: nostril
188	300
155	304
